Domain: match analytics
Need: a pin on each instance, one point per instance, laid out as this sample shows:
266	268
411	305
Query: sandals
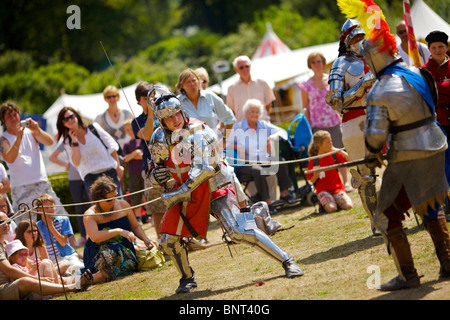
84	281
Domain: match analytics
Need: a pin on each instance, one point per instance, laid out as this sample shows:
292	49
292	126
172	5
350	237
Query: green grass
334	250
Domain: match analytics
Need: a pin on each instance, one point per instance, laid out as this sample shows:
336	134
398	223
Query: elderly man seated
254	140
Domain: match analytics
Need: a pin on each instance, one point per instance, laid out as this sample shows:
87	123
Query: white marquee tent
281	67
425	20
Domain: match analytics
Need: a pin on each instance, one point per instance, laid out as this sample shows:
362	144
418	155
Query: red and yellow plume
372	21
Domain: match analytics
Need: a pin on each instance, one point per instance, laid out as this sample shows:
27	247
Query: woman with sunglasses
92	152
113	118
112	229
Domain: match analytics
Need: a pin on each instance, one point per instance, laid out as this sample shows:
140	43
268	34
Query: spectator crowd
109	157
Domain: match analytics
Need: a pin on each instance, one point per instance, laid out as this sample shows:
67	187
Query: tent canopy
270	44
425	20
281	67
90	105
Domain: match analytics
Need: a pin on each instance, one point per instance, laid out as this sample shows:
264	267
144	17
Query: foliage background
148	40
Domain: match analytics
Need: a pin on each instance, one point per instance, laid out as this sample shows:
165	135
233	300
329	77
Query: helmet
165	104
351	32
155	92
376	58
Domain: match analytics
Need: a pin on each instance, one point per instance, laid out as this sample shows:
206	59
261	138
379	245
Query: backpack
300	138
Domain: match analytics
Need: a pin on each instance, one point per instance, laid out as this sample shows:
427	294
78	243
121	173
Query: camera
25	123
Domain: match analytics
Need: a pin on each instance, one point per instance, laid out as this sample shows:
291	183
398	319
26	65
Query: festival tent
90	105
270	44
425	20
281	67
283	72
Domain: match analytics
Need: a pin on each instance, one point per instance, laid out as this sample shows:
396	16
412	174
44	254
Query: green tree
221	16
124	26
36	89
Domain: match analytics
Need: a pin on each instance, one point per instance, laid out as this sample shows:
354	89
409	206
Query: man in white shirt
248	88
402	48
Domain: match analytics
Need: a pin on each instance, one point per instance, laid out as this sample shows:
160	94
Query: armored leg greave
176	249
366	185
241	227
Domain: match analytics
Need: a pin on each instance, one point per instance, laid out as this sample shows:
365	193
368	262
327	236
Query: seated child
60	229
17	255
329	187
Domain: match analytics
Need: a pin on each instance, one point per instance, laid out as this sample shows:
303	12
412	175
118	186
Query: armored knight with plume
400	113
186	150
349	81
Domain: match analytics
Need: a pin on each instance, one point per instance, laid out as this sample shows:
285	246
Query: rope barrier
268	163
22	212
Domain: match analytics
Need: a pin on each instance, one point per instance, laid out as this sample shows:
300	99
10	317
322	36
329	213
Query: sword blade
340	165
337	165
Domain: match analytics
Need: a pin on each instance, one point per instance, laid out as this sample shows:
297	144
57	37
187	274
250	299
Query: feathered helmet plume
372	21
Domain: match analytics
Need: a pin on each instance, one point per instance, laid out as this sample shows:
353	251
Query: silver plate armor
347	85
347	75
197	145
241	227
393	102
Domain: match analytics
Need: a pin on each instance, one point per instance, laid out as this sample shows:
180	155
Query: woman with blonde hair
113	118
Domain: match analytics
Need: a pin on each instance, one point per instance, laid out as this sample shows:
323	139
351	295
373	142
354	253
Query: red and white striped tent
270	44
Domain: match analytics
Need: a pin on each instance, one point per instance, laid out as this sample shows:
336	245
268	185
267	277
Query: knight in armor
349	81
400	112
186	150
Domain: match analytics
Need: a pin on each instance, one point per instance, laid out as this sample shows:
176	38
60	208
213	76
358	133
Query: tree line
146	40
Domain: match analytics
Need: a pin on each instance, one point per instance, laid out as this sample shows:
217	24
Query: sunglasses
72	116
246	66
401	31
110	97
7	222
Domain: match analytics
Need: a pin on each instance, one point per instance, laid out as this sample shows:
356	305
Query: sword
346	164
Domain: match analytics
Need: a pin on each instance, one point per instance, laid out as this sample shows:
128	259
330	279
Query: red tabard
196	211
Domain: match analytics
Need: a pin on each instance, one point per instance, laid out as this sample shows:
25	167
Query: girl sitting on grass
329	187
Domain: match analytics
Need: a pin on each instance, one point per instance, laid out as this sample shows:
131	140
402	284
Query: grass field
340	258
